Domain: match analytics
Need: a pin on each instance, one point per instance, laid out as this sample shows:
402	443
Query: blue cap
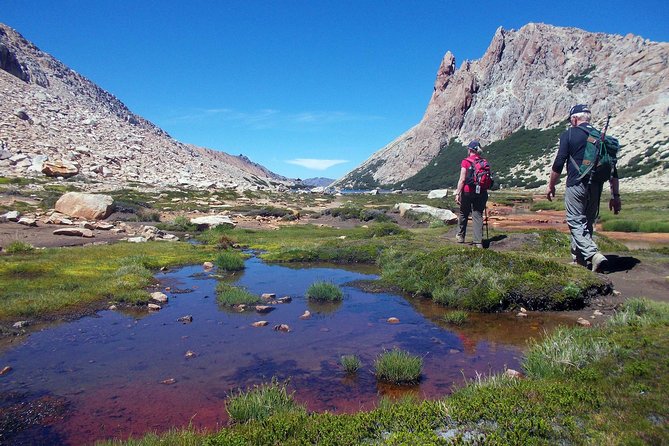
579	108
474	145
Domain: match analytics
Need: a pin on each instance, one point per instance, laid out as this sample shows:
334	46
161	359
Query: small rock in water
241	307
5	370
259	324
190	354
154	307
207	265
168	381
393	320
159	297
513	373
306	314
112	307
264	308
282	327
267	296
185	319
583	322
285	300
21	324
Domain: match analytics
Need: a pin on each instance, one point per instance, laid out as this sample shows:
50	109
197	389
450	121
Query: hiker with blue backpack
591	158
472	193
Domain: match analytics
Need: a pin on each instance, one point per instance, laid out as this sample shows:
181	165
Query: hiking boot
459	238
597	262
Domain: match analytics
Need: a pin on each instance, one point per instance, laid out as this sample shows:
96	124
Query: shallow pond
101	377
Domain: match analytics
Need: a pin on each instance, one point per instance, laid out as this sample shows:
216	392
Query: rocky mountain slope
51	114
528	79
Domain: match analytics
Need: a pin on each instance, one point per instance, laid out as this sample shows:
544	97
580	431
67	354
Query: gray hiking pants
473	204
581	203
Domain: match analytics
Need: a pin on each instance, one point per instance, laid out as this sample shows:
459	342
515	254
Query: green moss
117	272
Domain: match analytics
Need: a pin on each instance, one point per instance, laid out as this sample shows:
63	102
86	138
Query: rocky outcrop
530	78
51	115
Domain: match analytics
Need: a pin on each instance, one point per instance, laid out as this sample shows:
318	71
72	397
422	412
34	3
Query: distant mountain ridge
318	182
50	113
527	80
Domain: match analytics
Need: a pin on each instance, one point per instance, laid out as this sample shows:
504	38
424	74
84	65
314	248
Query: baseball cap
579	108
474	145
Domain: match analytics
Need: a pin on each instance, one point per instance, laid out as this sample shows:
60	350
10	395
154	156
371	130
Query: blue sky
305	88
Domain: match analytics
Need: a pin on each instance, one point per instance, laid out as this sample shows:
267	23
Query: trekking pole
601	143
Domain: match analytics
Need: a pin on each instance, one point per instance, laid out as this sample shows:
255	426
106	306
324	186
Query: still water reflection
107	372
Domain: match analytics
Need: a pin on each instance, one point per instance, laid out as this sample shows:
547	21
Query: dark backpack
599	158
479	176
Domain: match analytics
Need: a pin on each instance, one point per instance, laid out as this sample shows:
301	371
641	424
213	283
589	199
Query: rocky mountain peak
529	78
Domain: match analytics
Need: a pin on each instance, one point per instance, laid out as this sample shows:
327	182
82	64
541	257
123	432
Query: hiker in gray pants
581	199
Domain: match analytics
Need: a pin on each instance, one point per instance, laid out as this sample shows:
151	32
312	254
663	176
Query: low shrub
325	292
351	363
261	402
229	261
231	295
398	366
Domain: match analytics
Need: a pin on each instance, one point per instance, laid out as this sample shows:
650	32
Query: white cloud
316	164
271	118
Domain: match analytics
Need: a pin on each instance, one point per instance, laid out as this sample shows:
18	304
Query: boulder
74	232
159	297
438	193
83	205
211	221
444	215
61	168
27	221
38	163
10	216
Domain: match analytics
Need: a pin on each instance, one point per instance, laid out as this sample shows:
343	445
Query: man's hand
458	198
615	204
551	193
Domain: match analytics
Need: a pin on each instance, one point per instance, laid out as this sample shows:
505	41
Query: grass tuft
19	247
457	317
325	292
261	402
229	261
565	350
231	295
351	363
398	366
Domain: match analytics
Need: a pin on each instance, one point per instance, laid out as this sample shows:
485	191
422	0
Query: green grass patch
261	402
484	280
324	292
398	366
230	295
180	223
229	261
60	280
350	363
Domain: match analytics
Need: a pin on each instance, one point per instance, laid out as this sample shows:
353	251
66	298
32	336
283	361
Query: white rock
159	297
438	193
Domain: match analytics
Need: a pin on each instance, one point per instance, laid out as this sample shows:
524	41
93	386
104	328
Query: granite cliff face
50	114
529	78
